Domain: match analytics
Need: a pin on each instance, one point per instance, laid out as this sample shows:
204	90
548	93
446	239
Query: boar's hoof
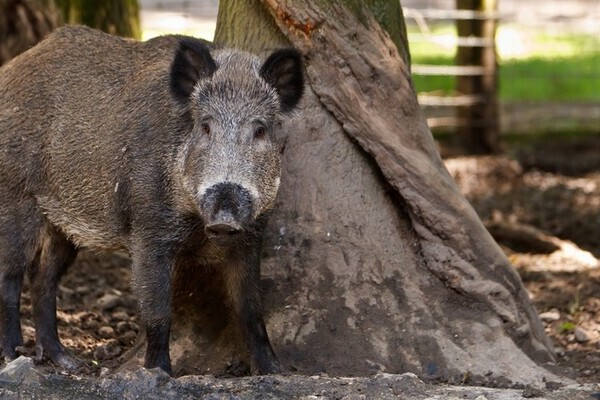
266	368
223	231
63	360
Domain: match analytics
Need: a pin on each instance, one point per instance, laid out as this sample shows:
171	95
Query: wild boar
162	148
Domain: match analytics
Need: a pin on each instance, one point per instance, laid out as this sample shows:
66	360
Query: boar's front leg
243	286
151	274
10	326
12	270
55	256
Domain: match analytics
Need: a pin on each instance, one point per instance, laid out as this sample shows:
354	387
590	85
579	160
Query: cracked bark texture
373	260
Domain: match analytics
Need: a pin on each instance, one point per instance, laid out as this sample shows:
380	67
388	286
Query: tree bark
373	260
23	23
118	17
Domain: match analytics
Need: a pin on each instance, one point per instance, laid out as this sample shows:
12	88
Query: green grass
534	66
567	327
555	79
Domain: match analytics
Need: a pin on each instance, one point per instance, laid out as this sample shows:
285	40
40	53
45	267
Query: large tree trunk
23	23
373	260
118	17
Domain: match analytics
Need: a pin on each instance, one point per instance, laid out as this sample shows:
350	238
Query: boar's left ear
191	63
283	71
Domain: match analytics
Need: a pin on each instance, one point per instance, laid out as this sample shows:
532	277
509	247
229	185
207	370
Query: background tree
373	260
119	17
23	23
480	131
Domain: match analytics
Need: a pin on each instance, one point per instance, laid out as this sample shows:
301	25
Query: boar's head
229	163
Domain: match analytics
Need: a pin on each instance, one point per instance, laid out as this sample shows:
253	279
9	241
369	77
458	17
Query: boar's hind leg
152	284
56	254
12	269
243	286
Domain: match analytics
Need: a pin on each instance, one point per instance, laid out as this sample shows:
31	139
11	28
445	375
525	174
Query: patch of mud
155	384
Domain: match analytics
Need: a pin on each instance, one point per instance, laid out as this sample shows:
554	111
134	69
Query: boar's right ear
283	70
192	62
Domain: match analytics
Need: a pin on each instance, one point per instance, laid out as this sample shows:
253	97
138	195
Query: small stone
109	301
581	335
6	394
354	396
120	316
140	384
20	370
87	353
549	316
65	290
551	385
82	289
107	351
571	337
531	391
127	337
122	327
145	382
106	332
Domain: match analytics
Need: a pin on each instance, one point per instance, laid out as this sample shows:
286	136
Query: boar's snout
227	209
223	230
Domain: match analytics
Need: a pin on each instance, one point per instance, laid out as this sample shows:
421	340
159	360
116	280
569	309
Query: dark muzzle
227	209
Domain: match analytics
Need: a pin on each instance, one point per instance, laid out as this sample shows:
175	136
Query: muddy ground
541	201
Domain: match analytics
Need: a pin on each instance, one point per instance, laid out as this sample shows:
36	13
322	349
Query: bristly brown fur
162	148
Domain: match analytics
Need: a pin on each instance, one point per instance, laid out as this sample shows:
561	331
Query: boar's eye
205	128
259	132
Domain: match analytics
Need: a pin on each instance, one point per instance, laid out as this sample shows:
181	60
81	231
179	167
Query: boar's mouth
227	211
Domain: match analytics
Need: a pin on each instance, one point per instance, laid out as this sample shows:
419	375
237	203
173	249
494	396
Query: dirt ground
542	203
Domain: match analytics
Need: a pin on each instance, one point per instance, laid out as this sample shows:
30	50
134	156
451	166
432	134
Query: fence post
479	128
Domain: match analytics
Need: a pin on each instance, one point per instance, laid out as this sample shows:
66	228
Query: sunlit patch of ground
544	210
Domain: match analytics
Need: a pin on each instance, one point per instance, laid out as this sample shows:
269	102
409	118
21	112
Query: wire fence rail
552	89
475	70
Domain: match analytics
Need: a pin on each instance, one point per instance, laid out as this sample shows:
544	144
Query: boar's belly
82	230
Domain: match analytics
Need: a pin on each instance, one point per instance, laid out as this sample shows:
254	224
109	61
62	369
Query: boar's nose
227	208
223	227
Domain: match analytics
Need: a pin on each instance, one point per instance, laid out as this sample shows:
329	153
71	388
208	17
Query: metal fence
553	18
475	71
